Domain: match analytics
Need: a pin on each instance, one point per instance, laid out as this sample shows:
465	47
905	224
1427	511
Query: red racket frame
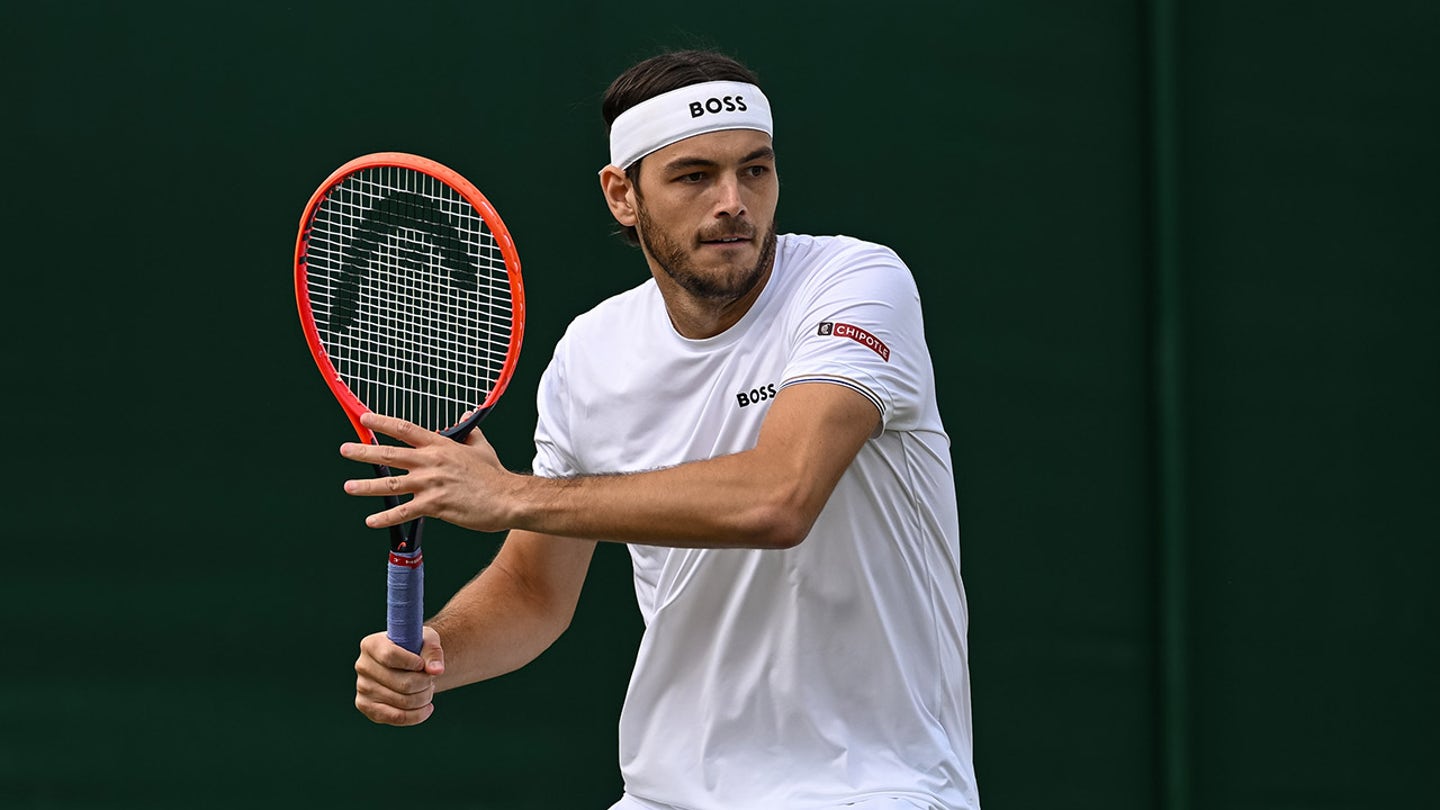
352	405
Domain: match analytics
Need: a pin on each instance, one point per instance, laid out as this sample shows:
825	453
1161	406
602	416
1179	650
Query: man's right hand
395	686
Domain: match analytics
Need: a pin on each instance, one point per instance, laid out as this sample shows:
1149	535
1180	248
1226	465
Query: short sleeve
857	323
554	456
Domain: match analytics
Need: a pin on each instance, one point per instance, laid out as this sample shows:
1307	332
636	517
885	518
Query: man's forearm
766	497
722	502
504	618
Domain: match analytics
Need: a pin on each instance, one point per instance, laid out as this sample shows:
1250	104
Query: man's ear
619	195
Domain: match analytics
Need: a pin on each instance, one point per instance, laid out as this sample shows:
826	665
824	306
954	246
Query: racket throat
404	537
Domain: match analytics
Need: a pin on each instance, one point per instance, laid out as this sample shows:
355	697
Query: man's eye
693	177
757	171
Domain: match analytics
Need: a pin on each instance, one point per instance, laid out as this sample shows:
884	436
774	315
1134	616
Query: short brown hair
661	74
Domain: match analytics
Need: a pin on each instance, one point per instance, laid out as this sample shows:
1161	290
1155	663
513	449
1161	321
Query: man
758	422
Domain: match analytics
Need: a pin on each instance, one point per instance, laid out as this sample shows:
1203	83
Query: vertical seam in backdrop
1167	401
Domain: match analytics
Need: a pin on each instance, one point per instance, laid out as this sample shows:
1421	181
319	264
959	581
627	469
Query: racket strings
410	294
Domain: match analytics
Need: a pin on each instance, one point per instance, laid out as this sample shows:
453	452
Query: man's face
706	212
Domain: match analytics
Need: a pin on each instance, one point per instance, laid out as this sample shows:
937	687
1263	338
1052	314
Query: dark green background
1180	266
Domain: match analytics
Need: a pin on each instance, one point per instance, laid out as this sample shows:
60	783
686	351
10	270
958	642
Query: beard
714	287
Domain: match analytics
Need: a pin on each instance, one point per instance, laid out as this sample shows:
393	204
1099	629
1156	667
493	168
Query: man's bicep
814	430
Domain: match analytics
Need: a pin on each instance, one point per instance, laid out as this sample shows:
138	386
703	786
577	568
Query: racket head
410	294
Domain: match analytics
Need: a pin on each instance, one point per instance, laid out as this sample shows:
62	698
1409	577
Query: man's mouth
725	240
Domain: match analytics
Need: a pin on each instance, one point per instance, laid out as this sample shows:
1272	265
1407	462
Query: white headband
679	114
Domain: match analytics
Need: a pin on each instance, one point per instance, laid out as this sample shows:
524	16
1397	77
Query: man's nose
728	201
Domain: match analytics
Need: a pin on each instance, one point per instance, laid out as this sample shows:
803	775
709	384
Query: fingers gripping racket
411	300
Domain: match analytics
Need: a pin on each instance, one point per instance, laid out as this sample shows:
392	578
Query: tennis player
758	422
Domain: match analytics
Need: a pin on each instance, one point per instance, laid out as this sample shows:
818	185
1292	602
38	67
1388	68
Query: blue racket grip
405	599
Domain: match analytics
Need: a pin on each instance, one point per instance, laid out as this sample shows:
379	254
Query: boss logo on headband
715	105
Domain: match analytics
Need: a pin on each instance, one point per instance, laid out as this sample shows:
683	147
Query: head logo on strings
402	216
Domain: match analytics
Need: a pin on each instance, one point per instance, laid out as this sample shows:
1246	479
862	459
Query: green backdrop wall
1180	265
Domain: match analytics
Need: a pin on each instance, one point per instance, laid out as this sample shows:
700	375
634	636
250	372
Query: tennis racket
411	300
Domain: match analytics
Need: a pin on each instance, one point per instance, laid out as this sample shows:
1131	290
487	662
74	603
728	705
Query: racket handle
405	599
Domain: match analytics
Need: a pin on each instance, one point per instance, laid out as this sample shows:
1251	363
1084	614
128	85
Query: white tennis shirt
813	677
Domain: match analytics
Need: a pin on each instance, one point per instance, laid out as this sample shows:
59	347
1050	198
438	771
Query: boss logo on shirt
755	395
858	335
715	105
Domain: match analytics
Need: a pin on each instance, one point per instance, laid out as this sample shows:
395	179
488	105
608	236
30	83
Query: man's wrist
522	492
